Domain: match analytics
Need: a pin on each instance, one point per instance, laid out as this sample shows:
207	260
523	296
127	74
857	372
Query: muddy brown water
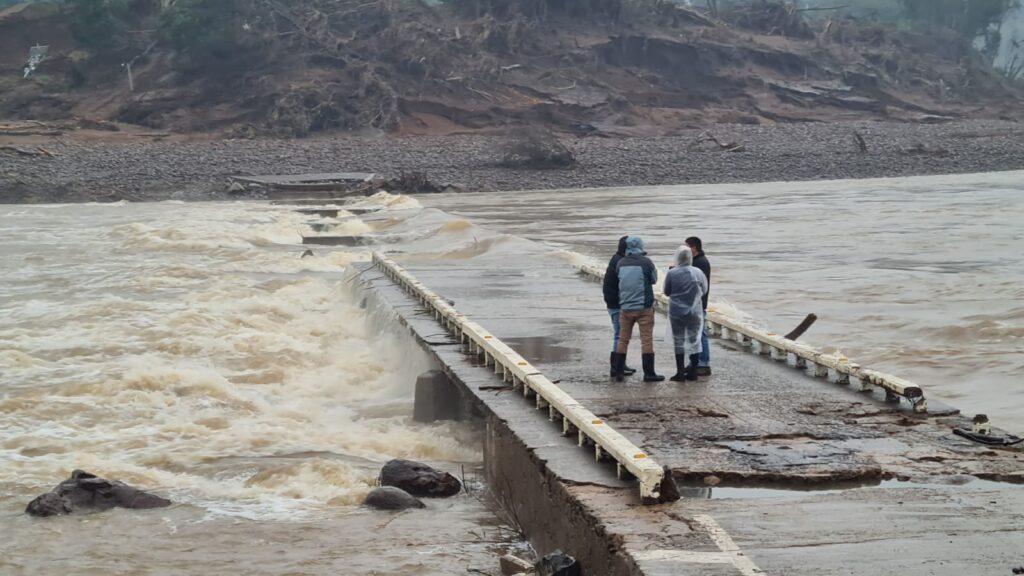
188	349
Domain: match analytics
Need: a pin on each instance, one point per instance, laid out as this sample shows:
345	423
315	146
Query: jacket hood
622	246
684	257
634	246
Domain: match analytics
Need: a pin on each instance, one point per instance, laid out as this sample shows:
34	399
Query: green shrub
99	25
211	33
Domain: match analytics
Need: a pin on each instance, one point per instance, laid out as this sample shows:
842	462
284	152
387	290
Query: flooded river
921	277
187	348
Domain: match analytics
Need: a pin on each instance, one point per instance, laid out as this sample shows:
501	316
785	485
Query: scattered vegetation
214	27
601	10
299	67
100	25
977	21
212	33
972	19
769	16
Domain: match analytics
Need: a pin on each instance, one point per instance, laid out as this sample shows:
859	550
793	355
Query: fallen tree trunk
25	152
723	146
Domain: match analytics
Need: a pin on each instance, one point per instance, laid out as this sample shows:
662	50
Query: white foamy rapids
381	200
346	226
431	235
389	201
577	260
192	350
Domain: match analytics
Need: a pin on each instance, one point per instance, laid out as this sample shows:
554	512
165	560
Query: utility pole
131	81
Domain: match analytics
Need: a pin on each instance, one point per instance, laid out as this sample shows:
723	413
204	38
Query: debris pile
773	17
532	147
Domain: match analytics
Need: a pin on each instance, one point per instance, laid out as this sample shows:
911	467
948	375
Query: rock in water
419	479
49	504
391	498
85	492
558	563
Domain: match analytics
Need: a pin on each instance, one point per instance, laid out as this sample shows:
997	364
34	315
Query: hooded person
700	261
611	300
686	286
637	276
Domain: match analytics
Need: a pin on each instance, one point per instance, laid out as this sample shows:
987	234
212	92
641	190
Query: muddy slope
406	68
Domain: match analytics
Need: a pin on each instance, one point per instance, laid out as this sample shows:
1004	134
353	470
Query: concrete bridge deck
891	498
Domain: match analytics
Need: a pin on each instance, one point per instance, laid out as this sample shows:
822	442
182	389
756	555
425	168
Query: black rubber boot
680	368
618	363
611	361
625	369
649	374
691	371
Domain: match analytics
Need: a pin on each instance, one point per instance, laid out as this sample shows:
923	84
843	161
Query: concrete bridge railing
521	375
798	355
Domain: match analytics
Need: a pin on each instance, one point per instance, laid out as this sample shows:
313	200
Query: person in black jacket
611	300
700	261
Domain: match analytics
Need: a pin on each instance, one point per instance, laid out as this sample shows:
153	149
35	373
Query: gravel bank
145	169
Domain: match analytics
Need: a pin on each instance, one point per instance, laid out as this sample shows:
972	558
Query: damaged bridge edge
523	376
551	511
814	362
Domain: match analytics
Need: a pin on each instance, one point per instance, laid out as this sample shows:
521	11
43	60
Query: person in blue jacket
637	276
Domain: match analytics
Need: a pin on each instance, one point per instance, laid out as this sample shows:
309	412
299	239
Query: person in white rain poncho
686	286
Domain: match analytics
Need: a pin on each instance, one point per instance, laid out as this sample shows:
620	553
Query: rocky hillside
406	67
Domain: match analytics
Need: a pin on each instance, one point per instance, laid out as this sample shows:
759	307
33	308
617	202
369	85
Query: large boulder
85	492
419	479
391	498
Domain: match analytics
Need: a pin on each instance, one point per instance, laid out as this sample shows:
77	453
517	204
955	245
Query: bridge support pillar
437	398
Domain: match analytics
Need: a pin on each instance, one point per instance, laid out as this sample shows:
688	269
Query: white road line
726	544
684	556
729	552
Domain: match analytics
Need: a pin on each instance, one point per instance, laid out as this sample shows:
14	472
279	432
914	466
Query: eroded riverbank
141	167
